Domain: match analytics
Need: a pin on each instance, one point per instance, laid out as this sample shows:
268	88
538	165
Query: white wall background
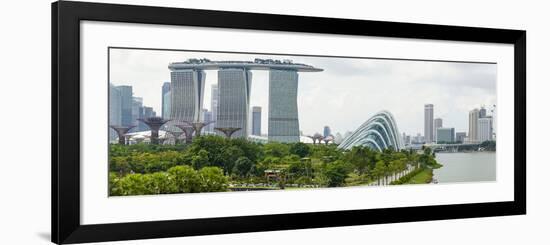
25	99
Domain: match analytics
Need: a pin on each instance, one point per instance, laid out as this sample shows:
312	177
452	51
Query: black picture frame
66	17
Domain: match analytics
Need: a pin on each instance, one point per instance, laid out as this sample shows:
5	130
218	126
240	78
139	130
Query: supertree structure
154	123
228	131
188	131
176	135
327	139
317	137
121	132
198	126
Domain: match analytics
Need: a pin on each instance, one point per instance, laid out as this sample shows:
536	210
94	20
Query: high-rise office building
429	123
257	120
438	123
234	94
125	105
164	104
214	105
234	98
482	112
167	105
445	135
137	113
326	131
207	117
148	112
115	110
283	124
418	139
460	137
186	95
473	125
485	129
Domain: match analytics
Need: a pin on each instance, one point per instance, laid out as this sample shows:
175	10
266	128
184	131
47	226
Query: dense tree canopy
214	163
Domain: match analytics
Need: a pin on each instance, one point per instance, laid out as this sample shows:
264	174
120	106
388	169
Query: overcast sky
343	96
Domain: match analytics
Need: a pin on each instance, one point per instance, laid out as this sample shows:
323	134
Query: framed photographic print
177	122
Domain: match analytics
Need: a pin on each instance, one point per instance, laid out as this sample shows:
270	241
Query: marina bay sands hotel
234	84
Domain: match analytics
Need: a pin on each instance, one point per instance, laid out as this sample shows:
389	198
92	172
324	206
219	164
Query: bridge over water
454	147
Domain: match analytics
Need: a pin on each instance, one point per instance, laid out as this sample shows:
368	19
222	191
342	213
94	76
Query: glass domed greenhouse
379	132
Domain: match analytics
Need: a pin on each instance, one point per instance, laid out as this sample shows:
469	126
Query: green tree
379	170
336	173
276	149
186	179
243	167
249	149
160	183
133	184
300	149
200	160
360	157
212	179
230	156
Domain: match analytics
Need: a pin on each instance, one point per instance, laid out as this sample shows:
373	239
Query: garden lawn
423	177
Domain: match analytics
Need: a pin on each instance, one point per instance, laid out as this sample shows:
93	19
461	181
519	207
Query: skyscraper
115	110
214	105
460	137
326	131
186	95
438	123
473	125
125	105
207	117
166	105
234	81
482	112
485	129
148	112
234	98
429	123
165	90
283	125
137	113
445	135
257	120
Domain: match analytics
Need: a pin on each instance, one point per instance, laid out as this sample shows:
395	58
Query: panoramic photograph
184	121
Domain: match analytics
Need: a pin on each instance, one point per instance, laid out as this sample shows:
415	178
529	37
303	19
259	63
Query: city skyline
329	93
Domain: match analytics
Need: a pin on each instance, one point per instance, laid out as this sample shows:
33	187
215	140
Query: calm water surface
466	167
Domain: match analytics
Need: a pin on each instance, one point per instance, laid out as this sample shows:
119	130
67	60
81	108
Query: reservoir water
466	167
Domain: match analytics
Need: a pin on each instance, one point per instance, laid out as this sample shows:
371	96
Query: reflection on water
466	167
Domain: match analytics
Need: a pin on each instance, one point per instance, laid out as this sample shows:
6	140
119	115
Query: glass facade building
186	95
115	110
283	124
125	105
429	123
460	136
326	131
137	113
214	102
230	98
445	135
165	112
378	133
257	120
234	99
472	125
485	129
166	105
